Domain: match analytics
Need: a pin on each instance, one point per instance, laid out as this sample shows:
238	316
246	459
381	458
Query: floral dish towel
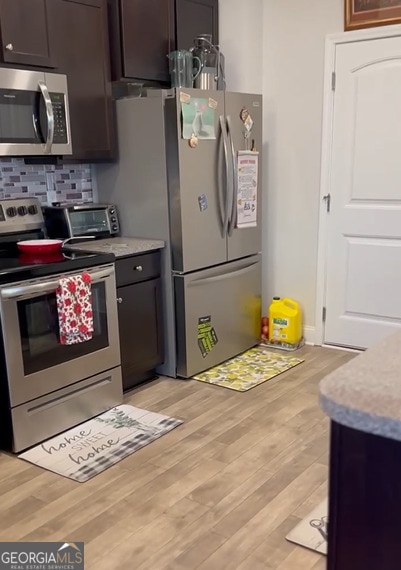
74	307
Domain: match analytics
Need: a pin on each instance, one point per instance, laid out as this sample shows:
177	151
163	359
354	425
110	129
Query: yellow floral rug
249	369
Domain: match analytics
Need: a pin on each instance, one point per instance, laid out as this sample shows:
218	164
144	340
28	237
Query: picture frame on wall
368	13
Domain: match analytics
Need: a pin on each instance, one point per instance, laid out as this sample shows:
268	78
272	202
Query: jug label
280	322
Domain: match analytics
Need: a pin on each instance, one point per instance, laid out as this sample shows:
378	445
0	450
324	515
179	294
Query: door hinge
327	199
333	81
324	314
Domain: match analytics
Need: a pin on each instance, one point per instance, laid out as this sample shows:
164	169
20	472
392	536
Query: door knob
9	47
119	300
138	268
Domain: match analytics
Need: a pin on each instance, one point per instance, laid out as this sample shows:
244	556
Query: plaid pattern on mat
311	532
90	448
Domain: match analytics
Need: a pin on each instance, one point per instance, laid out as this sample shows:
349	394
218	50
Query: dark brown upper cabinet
143	32
80	48
141	36
194	17
25	33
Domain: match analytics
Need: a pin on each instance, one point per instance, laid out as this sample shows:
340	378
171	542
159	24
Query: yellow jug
285	321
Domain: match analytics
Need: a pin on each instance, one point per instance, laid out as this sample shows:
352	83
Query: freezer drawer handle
221	276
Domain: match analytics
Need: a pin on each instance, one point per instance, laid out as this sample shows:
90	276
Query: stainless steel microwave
34	114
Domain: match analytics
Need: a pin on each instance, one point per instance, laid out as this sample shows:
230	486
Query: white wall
241	42
277	47
293	36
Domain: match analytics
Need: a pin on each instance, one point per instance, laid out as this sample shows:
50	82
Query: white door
363	278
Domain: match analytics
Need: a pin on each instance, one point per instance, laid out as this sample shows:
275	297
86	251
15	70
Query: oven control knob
114	228
32	209
112	211
113	219
11	212
22	210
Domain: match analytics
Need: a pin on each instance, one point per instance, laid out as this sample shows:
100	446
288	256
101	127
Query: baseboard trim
310	335
346	348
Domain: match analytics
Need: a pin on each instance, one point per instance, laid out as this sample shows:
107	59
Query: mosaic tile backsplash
48	183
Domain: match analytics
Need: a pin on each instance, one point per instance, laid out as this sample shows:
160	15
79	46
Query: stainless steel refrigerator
178	179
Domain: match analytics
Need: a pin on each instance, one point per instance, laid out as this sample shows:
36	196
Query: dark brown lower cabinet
139	301
364	501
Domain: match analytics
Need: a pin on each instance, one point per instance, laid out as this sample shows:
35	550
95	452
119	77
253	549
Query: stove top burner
10	262
20	267
21	219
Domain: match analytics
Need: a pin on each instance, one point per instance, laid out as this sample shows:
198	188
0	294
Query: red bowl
40	246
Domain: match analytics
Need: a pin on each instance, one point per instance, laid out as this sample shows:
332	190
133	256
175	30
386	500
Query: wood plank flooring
219	492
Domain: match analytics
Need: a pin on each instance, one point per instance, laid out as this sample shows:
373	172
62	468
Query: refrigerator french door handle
221	190
233	206
227	204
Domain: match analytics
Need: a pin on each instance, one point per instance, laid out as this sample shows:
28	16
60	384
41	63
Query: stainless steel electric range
47	387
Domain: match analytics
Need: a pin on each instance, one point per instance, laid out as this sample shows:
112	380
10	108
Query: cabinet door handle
138	268
119	300
9	47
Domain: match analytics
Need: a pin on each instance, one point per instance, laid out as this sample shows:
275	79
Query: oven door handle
47	286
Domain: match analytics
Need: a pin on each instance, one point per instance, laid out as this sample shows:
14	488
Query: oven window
88	222
39	330
19	111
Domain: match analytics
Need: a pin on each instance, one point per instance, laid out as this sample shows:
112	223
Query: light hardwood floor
219	492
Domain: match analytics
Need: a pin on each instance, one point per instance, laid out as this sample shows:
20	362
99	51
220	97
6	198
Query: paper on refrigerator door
247	188
198	118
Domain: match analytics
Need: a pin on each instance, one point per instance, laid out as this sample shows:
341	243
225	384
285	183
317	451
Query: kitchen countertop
119	246
365	393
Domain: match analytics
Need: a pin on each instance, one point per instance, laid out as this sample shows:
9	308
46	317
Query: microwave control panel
60	122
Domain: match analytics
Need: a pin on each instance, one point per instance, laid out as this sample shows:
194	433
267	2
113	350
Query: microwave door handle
50	116
35	126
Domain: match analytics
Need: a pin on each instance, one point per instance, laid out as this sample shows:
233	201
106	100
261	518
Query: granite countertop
120	246
365	393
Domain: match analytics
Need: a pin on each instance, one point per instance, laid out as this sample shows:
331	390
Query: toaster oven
75	220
